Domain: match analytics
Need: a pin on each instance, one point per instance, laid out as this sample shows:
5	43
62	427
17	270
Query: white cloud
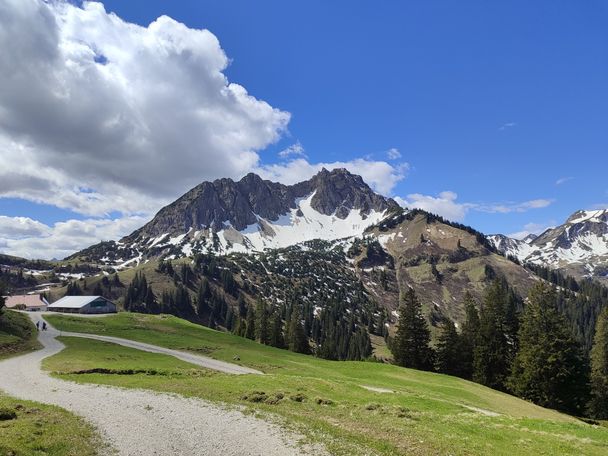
393	154
98	114
443	204
531	228
37	240
294	150
21	227
507	125
506	208
563	180
380	175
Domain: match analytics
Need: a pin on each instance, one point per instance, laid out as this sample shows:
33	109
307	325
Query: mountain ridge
578	247
251	214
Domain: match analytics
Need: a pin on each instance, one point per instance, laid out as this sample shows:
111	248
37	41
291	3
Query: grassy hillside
354	407
30	428
17	334
443	262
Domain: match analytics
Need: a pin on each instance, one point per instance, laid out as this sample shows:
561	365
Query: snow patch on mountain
300	224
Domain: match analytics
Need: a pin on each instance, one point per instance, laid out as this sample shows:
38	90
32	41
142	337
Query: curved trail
140	422
203	361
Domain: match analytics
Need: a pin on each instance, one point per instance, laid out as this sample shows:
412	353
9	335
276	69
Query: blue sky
498	110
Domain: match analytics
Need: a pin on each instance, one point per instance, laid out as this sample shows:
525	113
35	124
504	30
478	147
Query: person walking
44	325
38	325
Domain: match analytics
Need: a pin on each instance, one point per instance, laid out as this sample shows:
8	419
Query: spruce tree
250	323
549	368
202	296
242	307
262	324
229	318
297	337
150	301
598	406
411	346
468	336
449	353
276	335
492	362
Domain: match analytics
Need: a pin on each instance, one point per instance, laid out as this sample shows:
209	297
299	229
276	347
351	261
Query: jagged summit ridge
224	202
253	214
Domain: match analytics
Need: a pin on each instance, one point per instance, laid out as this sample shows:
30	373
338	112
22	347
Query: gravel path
191	358
139	422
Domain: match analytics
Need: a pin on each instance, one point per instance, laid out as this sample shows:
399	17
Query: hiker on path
38	325
44	325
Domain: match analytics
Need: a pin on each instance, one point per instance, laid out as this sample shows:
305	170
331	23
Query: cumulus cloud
443	204
380	175
446	205
100	115
393	154
294	150
21	227
29	238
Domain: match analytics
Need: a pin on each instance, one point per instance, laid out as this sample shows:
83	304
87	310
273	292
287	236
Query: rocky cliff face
225	203
253	214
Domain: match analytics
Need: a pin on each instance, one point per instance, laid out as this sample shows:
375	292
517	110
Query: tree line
328	329
527	349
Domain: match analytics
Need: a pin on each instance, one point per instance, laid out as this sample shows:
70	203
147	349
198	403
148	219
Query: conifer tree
150	301
297	337
549	368
468	336
250	323
276	336
411	346
229	318
492	363
73	289
449	354
262	324
183	302
97	291
598	406
202	295
242	307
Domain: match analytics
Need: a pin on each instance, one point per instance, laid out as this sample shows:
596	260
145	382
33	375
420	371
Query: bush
7	414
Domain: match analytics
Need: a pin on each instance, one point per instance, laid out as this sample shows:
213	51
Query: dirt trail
140	422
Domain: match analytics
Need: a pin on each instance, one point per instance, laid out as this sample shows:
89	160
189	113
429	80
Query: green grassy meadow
17	334
411	412
30	428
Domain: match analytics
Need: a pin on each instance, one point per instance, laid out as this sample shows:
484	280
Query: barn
30	302
83	305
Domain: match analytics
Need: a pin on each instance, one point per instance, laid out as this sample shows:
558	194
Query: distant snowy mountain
579	247
250	215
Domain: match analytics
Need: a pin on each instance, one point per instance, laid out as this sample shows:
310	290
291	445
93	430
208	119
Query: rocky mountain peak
338	191
254	202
